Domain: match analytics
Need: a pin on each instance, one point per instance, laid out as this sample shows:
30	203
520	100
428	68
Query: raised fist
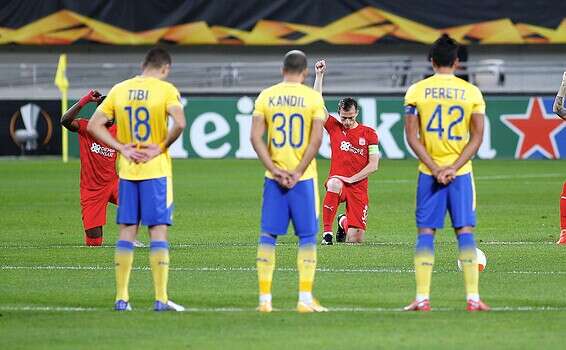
320	67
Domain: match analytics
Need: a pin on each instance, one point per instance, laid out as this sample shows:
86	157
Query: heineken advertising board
516	127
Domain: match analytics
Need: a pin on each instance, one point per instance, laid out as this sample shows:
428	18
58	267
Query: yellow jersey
289	110
444	105
139	109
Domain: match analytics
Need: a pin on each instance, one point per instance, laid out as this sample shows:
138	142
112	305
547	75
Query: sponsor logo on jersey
348	147
103	151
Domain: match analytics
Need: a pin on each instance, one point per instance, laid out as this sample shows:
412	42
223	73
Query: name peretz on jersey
449	93
288	100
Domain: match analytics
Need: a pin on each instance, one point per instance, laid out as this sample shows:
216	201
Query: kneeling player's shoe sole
168	306
477	306
314	306
326	239
562	239
418	306
340	232
122	305
264	307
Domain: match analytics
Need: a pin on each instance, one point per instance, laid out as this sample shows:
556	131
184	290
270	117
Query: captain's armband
373	149
411	110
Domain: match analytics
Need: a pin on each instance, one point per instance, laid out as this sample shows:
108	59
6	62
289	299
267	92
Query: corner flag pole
63	84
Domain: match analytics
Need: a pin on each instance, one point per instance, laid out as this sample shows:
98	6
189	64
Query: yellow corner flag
63	84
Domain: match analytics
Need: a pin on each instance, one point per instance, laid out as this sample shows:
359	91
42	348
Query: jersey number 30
288	130
435	122
139	123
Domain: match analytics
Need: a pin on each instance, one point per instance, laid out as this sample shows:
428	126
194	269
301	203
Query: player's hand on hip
320	67
132	153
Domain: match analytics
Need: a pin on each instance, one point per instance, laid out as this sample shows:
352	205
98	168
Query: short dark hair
347	103
444	51
156	58
295	61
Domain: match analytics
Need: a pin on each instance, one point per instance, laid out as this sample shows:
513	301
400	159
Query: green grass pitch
54	293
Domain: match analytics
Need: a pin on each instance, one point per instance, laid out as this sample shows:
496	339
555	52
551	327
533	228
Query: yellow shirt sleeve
107	106
259	108
318	107
411	96
173	97
479	103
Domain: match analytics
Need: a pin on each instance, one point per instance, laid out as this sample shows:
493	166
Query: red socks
93	242
329	208
563	208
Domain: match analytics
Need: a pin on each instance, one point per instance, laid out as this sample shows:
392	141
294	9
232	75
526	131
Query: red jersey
350	148
98	162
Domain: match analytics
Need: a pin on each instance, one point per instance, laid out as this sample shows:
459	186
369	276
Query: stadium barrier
517	127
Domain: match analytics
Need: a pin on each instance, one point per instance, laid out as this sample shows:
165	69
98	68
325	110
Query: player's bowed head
348	111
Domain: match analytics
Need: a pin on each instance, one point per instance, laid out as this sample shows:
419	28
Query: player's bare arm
179	123
311	151
256	138
373	165
96	127
558	106
412	132
68	120
476	137
320	69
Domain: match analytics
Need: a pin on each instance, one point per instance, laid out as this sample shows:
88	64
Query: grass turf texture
57	294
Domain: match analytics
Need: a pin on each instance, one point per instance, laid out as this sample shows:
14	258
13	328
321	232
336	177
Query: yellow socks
123	260
424	261
159	261
468	259
306	264
265	265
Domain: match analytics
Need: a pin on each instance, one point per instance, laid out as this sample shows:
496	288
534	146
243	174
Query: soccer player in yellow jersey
140	107
444	127
293	116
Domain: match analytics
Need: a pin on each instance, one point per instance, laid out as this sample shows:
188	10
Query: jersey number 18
139	123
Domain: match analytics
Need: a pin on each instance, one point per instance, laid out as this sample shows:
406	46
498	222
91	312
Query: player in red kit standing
99	181
560	111
355	155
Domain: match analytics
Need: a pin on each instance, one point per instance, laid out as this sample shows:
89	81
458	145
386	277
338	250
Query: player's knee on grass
94	232
334	185
93	236
355	235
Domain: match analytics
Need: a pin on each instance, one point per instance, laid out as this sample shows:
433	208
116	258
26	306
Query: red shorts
94	203
357	200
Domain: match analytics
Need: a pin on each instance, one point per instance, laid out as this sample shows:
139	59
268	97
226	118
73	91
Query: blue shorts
147	201
434	199
299	204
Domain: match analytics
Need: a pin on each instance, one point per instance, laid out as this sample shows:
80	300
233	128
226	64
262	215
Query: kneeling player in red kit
355	155
99	181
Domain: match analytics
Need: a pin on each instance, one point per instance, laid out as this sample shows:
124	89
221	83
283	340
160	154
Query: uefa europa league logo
27	138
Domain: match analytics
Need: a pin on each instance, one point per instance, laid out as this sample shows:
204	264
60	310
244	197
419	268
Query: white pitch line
252	310
253	269
288	244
